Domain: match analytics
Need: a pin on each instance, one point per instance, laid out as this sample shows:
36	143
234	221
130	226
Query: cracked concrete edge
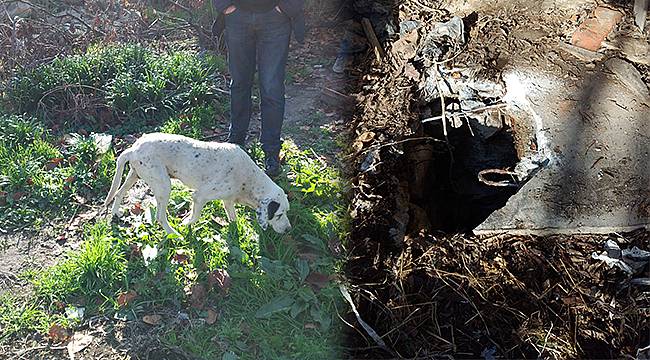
580	230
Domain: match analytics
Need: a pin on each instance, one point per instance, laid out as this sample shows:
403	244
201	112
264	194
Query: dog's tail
117	179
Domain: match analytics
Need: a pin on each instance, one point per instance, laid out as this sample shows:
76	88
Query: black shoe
272	164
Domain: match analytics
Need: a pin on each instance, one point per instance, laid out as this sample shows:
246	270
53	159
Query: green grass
127	85
94	274
119	89
39	179
18	317
271	310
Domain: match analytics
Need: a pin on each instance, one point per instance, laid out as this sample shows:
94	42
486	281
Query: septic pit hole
444	180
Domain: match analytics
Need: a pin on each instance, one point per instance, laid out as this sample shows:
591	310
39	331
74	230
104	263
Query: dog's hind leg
229	206
119	169
131	178
198	202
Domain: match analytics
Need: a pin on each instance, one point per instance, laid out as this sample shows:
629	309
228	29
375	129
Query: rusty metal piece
502	183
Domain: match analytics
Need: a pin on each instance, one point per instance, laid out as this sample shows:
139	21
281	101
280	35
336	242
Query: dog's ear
262	213
272	208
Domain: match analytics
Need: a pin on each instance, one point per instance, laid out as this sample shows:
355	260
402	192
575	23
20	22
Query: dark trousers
257	40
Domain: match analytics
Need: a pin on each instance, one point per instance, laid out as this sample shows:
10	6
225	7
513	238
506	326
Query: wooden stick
465	113
372	37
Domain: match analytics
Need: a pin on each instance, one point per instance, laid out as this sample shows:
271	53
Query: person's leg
240	38
274	34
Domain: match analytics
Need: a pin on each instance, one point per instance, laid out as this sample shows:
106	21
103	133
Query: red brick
591	33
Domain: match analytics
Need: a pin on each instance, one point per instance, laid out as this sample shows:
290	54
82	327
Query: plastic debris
371	162
627	75
102	142
632	261
75	313
441	38
149	253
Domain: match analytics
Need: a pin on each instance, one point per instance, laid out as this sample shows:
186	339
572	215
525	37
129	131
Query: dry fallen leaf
59	305
154	319
366	136
181	257
53	163
135	249
58	333
220	278
137	209
212	317
125	298
78	343
317	280
18	195
357	146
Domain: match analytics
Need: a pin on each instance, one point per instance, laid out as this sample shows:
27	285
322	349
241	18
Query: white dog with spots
213	170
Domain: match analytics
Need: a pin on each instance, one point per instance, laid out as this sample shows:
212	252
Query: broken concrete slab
636	50
580	53
628	76
597	179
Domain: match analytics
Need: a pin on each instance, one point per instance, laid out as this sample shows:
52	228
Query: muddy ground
429	293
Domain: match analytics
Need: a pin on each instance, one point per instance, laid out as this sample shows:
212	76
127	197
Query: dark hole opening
444	179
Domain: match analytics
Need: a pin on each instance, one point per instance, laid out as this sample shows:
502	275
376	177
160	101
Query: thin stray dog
213	170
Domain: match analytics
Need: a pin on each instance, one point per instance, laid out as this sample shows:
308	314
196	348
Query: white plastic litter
632	261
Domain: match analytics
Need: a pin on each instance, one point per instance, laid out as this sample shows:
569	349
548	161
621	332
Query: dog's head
273	211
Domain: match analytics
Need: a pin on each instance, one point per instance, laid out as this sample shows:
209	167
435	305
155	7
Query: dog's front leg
198	202
229	206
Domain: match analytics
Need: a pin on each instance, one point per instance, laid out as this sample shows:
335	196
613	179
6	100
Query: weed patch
93	274
129	85
41	178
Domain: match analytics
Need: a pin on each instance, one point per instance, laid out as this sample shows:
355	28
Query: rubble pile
444	135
